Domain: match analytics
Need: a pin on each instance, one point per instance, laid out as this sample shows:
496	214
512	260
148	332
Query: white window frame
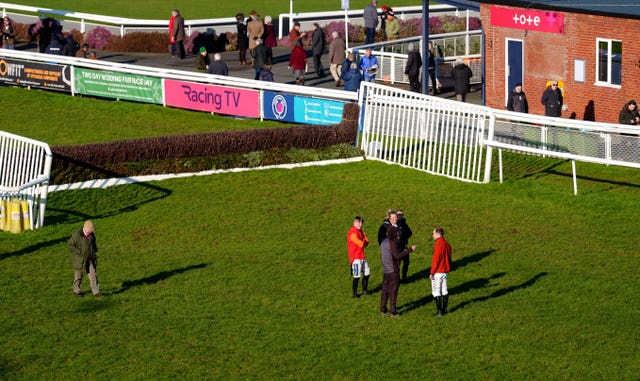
609	43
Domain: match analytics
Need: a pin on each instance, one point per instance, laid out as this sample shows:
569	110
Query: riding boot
445	302
365	285
438	305
354	287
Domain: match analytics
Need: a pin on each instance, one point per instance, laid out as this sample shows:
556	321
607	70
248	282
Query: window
609	63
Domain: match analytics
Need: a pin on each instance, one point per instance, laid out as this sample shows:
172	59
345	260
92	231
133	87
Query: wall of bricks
551	56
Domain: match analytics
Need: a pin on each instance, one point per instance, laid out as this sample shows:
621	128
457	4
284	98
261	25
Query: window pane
603	59
616	62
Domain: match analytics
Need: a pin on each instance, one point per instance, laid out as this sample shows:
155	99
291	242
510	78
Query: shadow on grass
456	265
33	248
595	180
495	294
156	278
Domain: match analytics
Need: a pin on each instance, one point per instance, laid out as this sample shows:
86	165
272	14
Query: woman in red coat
298	62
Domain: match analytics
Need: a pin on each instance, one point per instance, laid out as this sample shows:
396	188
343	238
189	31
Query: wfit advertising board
305	110
33	74
109	84
212	98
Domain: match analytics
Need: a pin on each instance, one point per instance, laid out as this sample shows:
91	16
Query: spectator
57	42
518	100
629	114
461	74
255	30
295	35
218	67
266	74
172	40
412	69
261	56
71	46
369	66
8	33
269	36
202	60
357	241
318	44
370	22
432	68
93	55
178	33
440	267
403	243
384	226
393	27
337	50
243	39
390	255
352	78
383	20
346	65
82	245
83	52
552	100
298	62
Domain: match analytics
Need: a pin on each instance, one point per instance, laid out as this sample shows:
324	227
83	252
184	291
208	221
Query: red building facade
596	57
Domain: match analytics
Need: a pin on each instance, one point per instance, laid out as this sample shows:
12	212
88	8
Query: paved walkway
280	68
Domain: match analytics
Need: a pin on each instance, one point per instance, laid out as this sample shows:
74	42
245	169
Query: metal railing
25	167
392	56
456	139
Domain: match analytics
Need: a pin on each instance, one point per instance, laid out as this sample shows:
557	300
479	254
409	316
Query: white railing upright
25	167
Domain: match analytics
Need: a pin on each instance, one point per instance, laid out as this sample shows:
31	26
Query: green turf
59	119
245	276
191	9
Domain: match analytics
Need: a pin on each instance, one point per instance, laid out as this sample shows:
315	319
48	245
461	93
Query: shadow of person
498	293
157	277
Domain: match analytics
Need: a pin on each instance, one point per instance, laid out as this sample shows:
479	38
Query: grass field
191	9
245	276
59	119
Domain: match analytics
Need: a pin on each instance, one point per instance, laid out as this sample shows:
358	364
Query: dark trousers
181	51
405	266
317	65
242	55
390	285
432	75
414	83
369	33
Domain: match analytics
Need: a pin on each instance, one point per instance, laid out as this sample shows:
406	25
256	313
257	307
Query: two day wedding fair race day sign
110	84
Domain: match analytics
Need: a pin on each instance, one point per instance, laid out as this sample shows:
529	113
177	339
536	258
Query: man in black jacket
412	69
318	45
403	243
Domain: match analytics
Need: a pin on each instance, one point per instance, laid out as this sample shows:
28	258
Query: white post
575	181
346	29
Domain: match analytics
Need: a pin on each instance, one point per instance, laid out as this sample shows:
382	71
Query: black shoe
366	293
98	295
355	296
78	294
396	315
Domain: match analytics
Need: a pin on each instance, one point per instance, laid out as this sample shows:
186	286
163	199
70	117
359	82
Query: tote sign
518	18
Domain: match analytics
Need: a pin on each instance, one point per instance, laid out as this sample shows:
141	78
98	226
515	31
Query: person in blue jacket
369	66
352	78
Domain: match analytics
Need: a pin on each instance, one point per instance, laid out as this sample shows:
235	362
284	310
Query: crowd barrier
223	95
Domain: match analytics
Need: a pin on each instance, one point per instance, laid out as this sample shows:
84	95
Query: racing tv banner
212	98
33	74
110	84
298	109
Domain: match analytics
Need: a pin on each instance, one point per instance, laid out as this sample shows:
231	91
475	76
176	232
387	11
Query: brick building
591	46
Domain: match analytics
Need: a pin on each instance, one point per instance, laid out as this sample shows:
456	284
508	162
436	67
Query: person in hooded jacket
552	100
352	78
518	100
243	39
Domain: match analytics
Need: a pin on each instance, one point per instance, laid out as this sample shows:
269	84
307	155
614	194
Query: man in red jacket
440	267
356	242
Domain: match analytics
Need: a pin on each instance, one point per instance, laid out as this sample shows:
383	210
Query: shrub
147	42
98	38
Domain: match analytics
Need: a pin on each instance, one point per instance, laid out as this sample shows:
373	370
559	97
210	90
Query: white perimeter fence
25	166
456	140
